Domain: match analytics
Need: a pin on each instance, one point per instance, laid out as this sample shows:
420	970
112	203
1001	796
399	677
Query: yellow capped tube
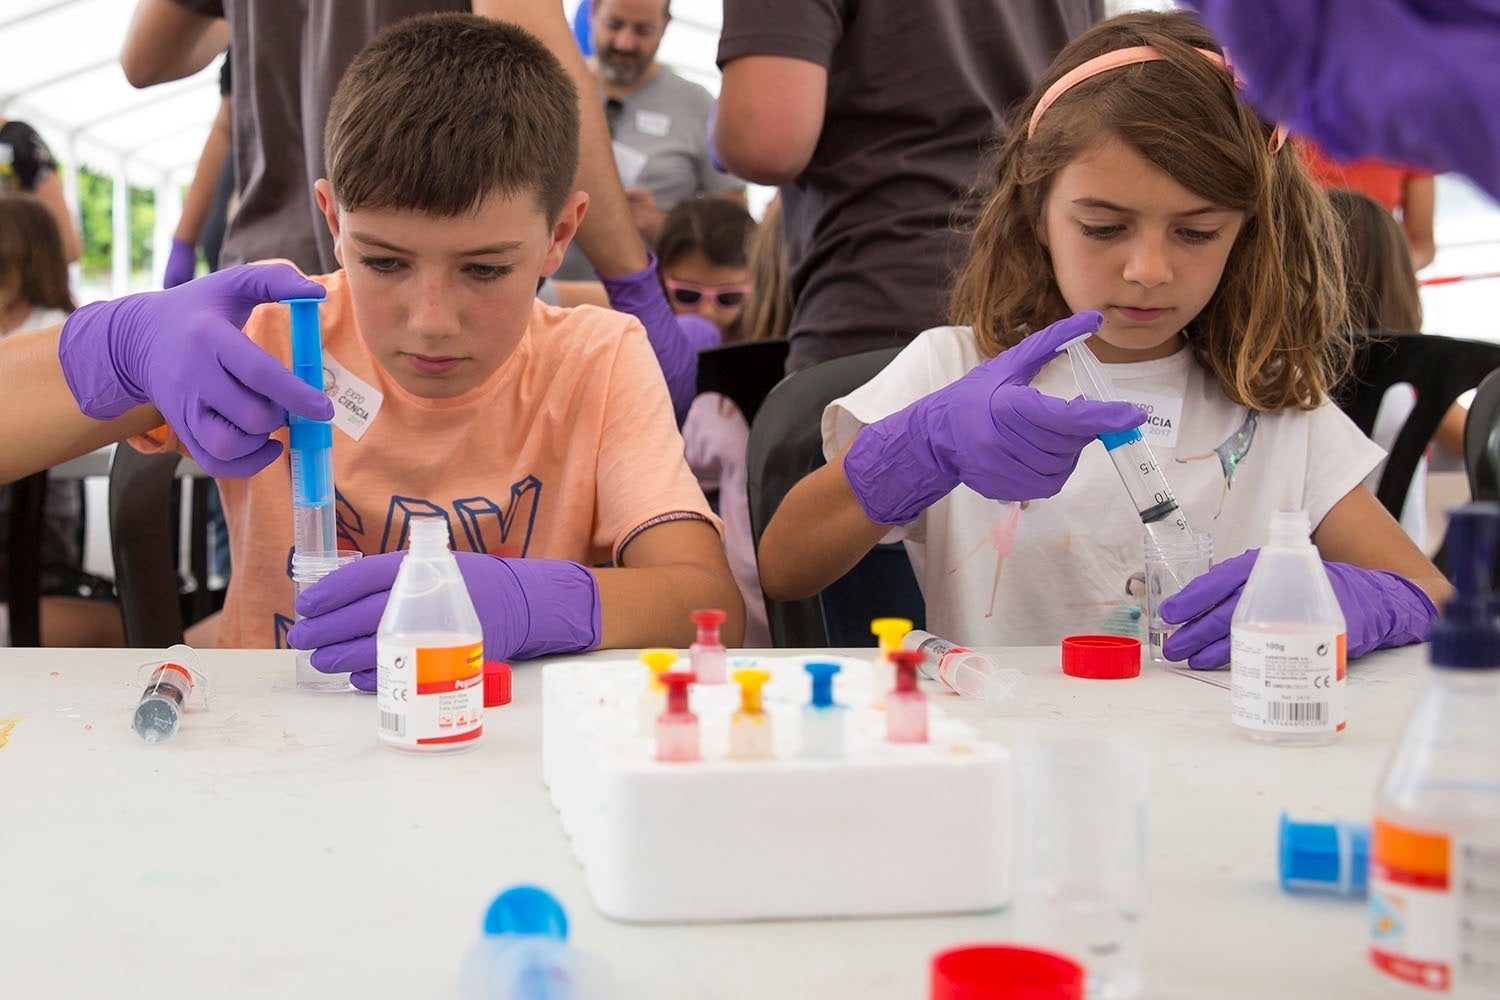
750	726
653	700
889	632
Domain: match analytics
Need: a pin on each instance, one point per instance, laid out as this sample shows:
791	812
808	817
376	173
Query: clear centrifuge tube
313	524
1132	456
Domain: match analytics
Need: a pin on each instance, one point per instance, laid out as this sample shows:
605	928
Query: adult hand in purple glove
181	263
989	430
183	352
1409	80
1380	609
528	608
641	296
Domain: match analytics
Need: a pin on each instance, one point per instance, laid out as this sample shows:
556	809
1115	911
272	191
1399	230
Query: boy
538	432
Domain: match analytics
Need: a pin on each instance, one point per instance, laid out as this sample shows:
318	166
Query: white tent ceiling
59	70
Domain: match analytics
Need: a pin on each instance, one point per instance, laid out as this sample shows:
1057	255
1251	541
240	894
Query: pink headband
1114	60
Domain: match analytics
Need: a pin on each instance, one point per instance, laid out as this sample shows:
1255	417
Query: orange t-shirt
566	452
1377	179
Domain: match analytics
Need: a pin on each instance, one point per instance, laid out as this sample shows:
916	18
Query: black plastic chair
786	443
23	558
1440	369
144	524
1482	440
744	372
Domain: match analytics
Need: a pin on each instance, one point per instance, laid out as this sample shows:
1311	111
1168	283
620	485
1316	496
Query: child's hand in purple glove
181	263
989	430
183	352
1380	609
527	607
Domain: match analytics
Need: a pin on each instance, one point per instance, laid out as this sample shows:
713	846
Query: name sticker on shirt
355	401
1164	416
652	123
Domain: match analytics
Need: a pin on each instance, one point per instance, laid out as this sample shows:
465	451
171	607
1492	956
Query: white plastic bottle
430	651
1435	847
1287	643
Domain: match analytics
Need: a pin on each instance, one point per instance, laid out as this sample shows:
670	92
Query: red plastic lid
1000	972
496	683
1101	657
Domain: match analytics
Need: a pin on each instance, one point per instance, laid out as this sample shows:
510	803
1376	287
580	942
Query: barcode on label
1298	711
393	723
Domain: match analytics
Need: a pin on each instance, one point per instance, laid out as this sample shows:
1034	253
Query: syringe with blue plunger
313	520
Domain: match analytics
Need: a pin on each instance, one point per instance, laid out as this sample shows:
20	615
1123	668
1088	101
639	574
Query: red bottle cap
496	683
1101	657
998	972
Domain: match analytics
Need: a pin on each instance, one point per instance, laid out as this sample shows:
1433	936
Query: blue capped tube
313	524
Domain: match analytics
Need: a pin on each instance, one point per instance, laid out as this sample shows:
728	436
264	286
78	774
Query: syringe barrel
1143	478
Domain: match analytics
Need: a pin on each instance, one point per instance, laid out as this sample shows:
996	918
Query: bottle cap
890	631
1324	857
1466	635
496	683
906	662
997	972
526	909
1101	657
708	617
822	673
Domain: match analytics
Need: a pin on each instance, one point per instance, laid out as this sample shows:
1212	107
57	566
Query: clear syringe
1143	478
313	524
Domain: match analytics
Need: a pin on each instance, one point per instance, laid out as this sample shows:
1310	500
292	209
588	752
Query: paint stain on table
6	725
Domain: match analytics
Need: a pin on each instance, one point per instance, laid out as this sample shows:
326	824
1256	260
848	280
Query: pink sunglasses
690	293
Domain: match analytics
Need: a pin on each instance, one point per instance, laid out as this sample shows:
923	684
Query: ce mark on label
398	694
1322	681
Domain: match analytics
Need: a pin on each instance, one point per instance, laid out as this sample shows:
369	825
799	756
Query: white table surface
274	848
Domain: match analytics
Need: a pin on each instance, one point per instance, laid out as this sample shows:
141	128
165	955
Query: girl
1134	190
704	249
34	294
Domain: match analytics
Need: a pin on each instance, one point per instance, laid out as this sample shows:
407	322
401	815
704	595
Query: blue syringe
313	523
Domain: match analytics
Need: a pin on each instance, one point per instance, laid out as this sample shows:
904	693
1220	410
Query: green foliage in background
95	206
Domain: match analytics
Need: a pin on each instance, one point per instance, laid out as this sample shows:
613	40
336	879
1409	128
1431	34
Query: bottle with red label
1435	846
430	650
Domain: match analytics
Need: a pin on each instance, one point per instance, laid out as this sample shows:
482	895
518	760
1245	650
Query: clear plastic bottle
430	651
1435	849
1287	643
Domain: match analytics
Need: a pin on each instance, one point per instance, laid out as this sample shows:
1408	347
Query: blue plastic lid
1466	635
527	910
1324	857
1115	439
822	682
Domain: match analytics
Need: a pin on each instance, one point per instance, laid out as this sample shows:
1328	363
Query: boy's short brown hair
438	112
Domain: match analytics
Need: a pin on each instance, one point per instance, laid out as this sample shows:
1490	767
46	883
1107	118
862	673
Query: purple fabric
183	351
1026	450
641	296
1413	81
527	607
181	263
1380	609
701	333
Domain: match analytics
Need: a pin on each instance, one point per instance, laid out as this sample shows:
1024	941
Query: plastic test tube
822	720
677	727
653	700
313	515
966	672
707	655
750	726
906	706
883	672
1131	455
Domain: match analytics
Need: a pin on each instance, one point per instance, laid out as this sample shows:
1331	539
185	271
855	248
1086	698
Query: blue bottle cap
1325	857
527	910
1466	634
822	682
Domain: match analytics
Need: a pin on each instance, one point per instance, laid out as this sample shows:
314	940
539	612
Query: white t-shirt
1072	556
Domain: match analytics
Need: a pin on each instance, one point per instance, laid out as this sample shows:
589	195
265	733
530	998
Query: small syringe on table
1128	450
171	686
313	514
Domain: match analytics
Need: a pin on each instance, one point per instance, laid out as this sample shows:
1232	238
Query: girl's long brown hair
1272	332
33	267
1383	291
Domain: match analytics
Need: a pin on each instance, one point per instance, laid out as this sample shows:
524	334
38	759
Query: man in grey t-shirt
658	120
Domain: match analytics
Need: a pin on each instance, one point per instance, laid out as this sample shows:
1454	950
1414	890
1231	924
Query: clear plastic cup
308	569
1170	564
1081	857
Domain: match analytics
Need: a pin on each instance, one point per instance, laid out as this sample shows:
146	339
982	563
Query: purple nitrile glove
641	296
181	263
182	351
527	607
1025	450
1380	609
1412	81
